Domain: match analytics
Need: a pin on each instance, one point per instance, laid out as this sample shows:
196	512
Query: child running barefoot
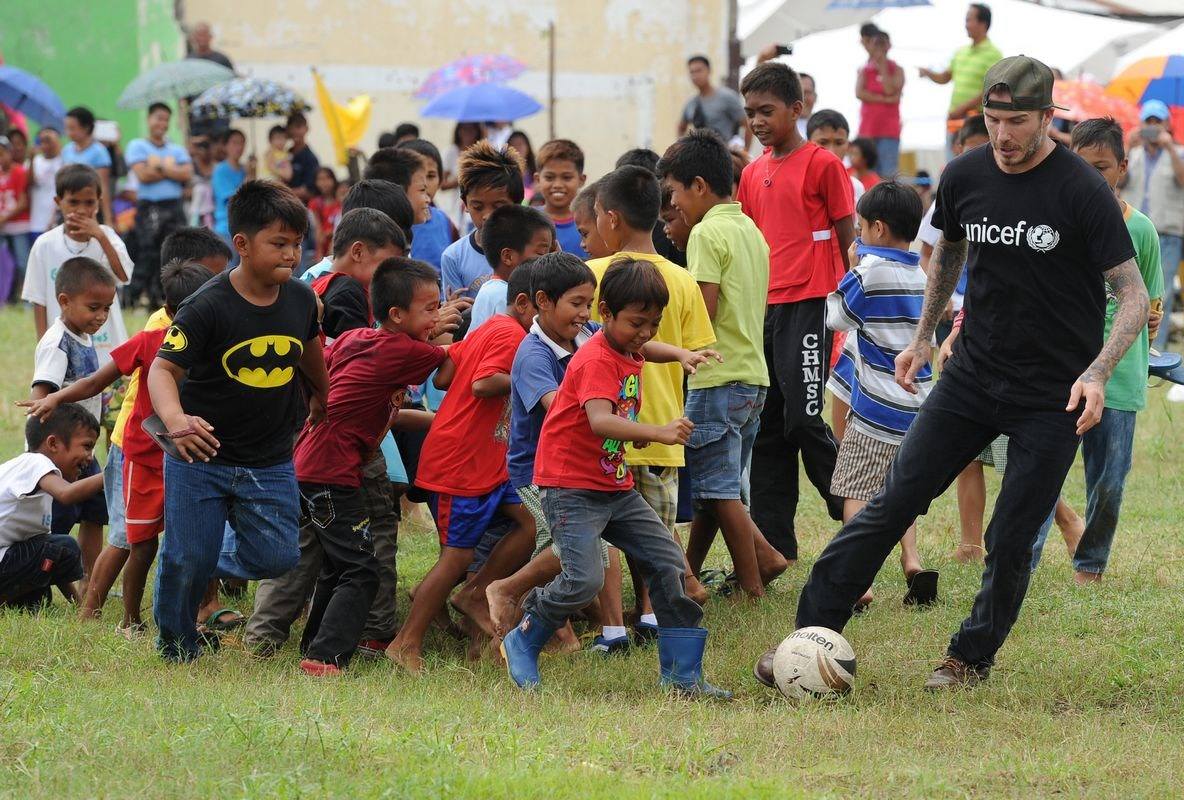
143	479
587	492
464	466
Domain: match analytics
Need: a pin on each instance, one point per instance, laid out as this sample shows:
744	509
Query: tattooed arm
945	266
1133	308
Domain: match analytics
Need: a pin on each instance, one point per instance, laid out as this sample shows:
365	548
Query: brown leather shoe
763	669
953	673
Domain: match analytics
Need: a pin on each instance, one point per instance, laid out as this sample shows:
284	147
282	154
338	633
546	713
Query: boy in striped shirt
879	302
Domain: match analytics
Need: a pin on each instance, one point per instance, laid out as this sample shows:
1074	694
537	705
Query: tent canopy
1170	43
927	36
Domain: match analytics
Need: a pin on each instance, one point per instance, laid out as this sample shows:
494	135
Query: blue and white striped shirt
879	302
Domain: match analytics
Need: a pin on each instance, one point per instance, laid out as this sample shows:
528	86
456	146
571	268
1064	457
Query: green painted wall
88	50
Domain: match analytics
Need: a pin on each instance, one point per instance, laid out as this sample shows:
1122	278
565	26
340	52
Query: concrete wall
620	74
88	50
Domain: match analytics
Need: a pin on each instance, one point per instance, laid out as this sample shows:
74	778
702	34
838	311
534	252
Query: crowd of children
561	385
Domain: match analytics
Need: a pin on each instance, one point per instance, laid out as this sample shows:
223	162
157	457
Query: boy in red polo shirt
369	370
586	489
800	197
143	460
464	467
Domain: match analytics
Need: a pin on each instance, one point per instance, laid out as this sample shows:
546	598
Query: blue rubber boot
521	649
680	658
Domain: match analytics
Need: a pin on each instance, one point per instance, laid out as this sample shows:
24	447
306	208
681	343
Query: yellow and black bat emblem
265	362
174	340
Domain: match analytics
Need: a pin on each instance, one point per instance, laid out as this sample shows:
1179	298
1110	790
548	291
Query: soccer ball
814	662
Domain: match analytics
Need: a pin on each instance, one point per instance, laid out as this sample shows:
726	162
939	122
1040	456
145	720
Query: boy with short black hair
829	130
586	488
78	196
434	236
559	178
142	478
197	244
512	235
800	197
65	354
369	370
363	239
879	301
464	467
237	346
407	169
729	259
583	210
673	224
488	178
647	159
32	559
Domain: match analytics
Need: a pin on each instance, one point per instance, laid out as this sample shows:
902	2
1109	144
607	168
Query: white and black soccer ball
814	662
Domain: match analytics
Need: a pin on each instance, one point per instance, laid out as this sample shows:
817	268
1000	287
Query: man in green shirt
1106	448
969	65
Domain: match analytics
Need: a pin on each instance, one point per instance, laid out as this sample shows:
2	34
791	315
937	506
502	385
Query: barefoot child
728	257
586	489
142	478
32	560
463	465
369	370
239	347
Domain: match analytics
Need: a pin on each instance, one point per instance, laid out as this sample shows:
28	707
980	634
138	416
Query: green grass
1087	699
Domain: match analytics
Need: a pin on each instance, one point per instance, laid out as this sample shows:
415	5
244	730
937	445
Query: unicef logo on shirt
1042	238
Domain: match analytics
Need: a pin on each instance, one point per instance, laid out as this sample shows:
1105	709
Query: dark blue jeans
578	519
956	422
1106	452
29	569
262	506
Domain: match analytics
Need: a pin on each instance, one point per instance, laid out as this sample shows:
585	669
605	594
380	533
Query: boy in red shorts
143	469
464	467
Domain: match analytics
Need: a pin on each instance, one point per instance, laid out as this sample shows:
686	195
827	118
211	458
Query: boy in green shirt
1106	448
729	258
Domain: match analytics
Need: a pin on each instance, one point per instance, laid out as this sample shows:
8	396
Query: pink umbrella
470	71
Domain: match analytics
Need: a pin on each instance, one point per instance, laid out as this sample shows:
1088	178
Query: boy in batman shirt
226	385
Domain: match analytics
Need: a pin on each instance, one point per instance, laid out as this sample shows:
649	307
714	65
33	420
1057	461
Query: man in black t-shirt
1044	239
227	386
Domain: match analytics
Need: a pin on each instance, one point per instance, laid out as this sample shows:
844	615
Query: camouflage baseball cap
1027	80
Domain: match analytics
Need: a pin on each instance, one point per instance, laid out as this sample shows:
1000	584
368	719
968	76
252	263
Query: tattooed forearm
1133	308
945	266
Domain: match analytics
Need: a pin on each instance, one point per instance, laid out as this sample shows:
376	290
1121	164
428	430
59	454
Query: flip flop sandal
729	586
1165	366
711	578
922	588
214	621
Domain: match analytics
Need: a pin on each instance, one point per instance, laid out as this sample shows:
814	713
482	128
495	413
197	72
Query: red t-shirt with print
570	455
465	451
796	201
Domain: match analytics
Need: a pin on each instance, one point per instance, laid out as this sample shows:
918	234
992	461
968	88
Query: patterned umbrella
470	71
167	82
28	94
1081	100
1156	78
247	97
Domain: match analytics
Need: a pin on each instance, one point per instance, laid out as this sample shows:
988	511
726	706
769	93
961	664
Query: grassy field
1087	699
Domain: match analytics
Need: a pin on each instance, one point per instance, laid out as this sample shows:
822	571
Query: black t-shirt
243	362
1036	299
304	169
346	306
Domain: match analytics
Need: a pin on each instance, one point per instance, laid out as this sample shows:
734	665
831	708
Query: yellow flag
348	123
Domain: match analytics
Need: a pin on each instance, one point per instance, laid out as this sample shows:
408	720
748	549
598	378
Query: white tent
927	36
1171	43
763	22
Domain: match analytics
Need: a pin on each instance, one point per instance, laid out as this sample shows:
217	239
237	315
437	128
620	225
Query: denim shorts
113	490
726	419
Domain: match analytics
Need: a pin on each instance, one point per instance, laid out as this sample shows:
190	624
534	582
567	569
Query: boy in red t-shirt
143	460
14	212
800	197
586	489
463	465
369	370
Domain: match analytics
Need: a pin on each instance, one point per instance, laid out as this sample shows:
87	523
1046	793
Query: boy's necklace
768	180
70	249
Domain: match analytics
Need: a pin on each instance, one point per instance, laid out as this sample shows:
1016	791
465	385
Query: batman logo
265	362
174	340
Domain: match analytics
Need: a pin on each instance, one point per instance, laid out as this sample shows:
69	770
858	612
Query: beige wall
621	79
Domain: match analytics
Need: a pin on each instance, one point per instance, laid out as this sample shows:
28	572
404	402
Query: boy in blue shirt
512	235
558	180
489	178
431	238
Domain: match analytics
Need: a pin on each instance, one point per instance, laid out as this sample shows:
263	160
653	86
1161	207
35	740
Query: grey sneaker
953	673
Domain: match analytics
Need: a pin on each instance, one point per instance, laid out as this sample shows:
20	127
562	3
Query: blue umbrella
28	94
482	102
839	5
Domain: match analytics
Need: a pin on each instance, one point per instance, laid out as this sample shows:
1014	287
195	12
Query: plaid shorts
660	490
995	454
542	532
